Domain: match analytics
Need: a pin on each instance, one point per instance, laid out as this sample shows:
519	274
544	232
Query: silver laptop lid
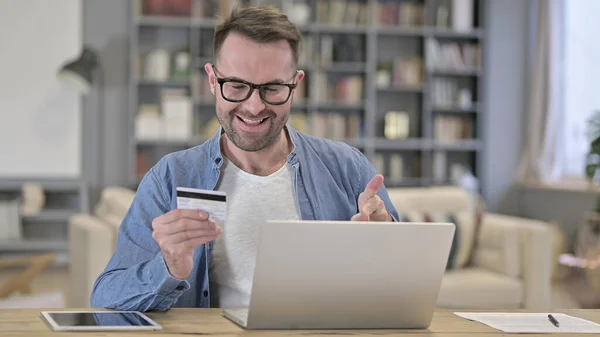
356	275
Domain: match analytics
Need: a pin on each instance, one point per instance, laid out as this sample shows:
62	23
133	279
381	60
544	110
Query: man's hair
262	24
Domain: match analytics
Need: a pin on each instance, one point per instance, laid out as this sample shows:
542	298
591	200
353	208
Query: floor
53	278
575	290
46	287
572	293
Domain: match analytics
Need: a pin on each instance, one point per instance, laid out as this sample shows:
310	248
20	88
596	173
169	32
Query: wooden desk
209	322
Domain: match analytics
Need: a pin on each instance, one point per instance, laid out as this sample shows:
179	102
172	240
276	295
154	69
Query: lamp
81	74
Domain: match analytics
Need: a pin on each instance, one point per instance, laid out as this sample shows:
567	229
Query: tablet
99	320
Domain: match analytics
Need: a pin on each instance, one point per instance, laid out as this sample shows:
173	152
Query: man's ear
211	76
299	77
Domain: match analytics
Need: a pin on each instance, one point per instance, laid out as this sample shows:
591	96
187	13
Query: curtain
540	159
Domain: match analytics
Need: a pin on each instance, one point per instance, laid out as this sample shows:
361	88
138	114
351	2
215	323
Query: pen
553	320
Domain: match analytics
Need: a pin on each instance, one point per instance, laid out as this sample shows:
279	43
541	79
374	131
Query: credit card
212	202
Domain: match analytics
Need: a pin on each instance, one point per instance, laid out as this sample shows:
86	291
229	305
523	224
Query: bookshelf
46	231
401	80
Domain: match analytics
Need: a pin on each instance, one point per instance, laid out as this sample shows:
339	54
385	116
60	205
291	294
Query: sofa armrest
91	245
521	248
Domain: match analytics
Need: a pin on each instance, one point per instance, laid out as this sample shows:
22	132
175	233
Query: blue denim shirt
328	177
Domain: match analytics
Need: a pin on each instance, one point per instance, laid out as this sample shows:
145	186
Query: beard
247	140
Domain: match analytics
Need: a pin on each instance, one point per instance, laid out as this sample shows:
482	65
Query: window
581	75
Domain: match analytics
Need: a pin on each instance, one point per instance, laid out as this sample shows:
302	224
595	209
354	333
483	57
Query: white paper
515	322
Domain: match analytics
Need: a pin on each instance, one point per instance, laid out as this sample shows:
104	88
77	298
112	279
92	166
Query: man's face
252	124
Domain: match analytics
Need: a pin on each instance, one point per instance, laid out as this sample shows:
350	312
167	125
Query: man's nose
254	104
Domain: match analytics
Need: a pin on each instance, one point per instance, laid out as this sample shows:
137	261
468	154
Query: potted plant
592	167
588	236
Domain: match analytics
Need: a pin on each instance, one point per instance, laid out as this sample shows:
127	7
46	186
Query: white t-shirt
251	200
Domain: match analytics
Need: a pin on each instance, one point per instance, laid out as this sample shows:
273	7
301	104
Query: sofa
505	261
92	241
509	260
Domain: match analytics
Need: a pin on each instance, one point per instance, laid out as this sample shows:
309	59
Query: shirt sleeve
136	277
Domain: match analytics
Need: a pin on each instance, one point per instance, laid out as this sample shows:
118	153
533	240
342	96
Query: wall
565	207
504	94
39	119
105	28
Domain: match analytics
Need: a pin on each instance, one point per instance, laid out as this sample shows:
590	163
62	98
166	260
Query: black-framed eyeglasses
236	90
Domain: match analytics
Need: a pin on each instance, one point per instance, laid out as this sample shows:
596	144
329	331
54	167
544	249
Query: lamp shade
79	73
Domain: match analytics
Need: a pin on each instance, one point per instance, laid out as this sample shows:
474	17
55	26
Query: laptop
346	275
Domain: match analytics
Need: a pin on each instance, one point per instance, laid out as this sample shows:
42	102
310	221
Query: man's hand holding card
196	221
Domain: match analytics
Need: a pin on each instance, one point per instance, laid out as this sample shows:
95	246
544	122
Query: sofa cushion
478	288
464	236
114	204
430	199
499	246
448	199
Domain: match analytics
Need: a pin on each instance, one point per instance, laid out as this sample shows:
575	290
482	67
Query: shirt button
205	293
180	287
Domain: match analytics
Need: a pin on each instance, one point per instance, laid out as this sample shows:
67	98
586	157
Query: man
167	257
